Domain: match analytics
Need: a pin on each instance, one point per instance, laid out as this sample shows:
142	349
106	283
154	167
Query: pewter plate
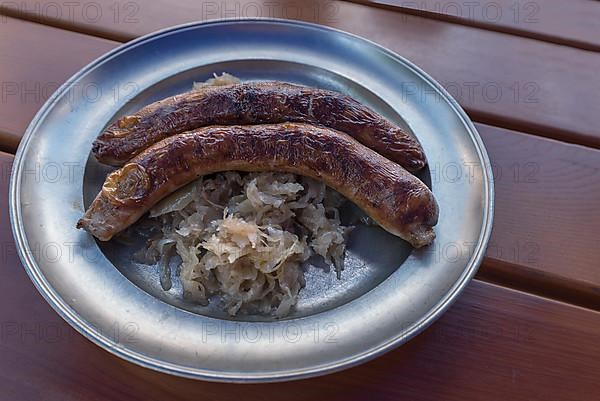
388	292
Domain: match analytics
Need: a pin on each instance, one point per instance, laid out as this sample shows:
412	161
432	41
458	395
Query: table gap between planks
543	241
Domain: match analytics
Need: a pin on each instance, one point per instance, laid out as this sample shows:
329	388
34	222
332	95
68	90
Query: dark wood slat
500	79
34	61
544	238
493	343
572	23
546	216
9	142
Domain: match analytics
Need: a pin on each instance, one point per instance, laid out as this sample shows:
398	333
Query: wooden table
527	327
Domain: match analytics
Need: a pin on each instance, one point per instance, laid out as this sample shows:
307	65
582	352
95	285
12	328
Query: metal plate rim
67	313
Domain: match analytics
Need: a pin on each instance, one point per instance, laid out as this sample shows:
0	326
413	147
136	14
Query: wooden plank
546	216
493	343
34	61
544	238
573	23
500	79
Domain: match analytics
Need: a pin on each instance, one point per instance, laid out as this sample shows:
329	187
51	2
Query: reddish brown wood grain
494	344
546	216
34	61
570	23
500	79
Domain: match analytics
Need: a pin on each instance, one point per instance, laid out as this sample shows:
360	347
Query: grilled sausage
256	103
393	197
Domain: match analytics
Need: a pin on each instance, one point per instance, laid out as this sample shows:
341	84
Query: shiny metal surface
387	294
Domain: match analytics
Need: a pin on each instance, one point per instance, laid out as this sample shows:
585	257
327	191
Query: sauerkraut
243	238
218	80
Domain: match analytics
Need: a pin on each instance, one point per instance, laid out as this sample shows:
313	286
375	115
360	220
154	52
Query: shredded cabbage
218	80
245	236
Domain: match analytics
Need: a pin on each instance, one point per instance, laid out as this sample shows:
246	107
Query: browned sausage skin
256	103
393	197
